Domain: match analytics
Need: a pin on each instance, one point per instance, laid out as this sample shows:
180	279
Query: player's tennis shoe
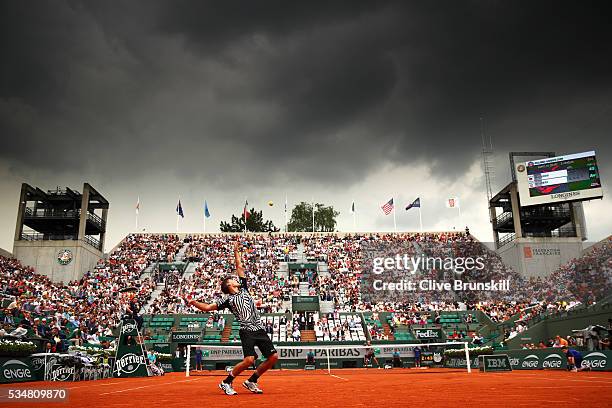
227	389
253	387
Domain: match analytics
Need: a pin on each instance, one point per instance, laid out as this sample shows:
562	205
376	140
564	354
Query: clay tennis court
345	388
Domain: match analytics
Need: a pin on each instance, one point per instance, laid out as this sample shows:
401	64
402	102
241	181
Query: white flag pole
177	215
286	224
420	217
137	211
354	217
394	222
244	210
205	218
313	218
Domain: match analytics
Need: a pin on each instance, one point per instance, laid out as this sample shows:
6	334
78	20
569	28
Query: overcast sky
339	101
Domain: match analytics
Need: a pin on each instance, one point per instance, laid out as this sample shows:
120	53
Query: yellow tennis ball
270	203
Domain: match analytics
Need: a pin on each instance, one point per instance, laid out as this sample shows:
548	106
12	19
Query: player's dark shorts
258	338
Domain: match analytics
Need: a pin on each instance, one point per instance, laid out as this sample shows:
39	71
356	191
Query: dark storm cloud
296	91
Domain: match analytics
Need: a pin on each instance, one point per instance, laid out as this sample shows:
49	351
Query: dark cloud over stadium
241	99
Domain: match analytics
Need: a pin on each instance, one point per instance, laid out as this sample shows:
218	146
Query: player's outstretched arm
238	260
205	307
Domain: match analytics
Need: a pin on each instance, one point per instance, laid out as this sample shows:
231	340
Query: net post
467	358
328	363
188	359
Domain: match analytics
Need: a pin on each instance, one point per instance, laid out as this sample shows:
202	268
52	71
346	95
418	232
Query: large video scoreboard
556	179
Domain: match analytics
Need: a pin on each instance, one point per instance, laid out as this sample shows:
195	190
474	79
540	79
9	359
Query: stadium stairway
154	295
300	254
227	330
148	271
387	331
304	289
308	335
283	270
326	306
180	256
190	270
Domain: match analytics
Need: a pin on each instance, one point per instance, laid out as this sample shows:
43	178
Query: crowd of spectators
211	253
87	310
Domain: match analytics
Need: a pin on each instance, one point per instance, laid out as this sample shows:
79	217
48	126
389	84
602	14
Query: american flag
388	207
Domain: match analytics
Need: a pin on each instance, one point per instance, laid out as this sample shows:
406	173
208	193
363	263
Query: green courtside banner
16	369
131	357
553	358
497	362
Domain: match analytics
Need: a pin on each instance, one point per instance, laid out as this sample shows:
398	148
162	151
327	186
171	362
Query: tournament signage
598	360
299	353
64	257
131	359
185	337
497	362
428	334
302	303
546	359
15	370
60	372
536	359
42	364
459	362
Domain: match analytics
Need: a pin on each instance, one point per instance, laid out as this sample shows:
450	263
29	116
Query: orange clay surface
343	388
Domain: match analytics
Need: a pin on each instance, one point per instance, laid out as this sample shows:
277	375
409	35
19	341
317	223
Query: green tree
301	218
254	223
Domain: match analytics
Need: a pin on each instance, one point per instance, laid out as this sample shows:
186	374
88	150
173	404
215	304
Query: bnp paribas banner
299	353
131	358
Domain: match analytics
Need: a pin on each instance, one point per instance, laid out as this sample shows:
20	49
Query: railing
503	217
92	241
568	232
546	213
47	213
35	236
96	220
507	239
52	213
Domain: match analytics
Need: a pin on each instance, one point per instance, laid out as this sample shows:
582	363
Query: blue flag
179	210
415	204
206	212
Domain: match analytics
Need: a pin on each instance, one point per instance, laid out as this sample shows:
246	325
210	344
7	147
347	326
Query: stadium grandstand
307	289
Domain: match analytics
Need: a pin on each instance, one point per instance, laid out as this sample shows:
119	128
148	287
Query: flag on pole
452	202
245	213
138	205
179	209
388	207
353	207
206	212
415	204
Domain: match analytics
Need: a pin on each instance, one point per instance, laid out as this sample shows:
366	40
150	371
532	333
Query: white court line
557	379
342	378
107	383
150	385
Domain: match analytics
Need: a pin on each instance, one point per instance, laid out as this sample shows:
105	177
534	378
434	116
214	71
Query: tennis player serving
252	331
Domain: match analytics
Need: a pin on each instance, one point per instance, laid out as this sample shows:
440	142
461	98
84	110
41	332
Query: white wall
43	256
